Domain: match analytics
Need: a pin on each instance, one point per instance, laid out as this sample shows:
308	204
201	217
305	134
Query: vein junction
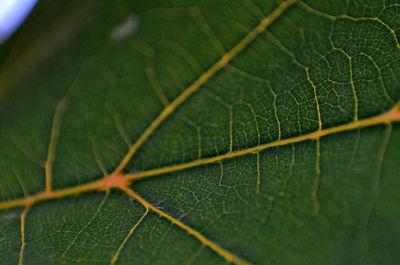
122	181
118	180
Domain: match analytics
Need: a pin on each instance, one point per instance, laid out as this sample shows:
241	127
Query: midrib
123	180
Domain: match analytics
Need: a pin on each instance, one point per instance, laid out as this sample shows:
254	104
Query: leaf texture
201	132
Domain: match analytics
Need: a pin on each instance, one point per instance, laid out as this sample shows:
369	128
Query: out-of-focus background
12	14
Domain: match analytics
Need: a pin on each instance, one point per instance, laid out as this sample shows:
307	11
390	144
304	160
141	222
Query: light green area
66	52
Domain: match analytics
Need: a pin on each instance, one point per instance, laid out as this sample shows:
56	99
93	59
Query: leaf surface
201	132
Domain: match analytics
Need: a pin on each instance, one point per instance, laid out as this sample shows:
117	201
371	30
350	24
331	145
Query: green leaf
201	132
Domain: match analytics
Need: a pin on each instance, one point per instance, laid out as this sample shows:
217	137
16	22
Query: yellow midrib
123	180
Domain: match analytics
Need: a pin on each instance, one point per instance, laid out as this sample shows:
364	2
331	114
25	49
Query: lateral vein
223	61
21	252
55	134
228	256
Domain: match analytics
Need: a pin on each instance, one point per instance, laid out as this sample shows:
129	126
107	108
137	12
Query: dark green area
66	51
